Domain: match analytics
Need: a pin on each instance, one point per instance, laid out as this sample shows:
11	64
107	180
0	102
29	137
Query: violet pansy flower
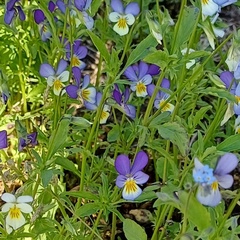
3	139
12	9
161	97
208	179
130	176
28	141
79	52
81	90
123	17
55	78
121	99
140	76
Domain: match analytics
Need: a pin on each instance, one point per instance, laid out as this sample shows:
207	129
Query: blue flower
3	139
130	176
208	179
12	10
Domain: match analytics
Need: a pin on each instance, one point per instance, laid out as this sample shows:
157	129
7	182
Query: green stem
114	222
95	224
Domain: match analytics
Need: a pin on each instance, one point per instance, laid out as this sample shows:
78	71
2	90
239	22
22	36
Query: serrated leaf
230	144
176	134
133	231
196	212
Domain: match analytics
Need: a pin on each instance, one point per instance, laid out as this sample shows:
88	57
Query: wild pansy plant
72	152
123	17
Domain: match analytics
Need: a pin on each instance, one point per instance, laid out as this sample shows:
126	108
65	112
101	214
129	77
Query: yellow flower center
205	1
238	130
130	186
214	186
44	28
140	88
122	23
57	84
237	98
85	94
75	61
164	107
104	115
15	212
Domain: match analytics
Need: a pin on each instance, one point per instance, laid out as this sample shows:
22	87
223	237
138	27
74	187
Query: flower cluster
208	179
13	9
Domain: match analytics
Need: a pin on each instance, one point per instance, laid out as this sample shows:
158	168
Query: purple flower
3	139
228	80
208	179
79	52
140	76
12	10
123	17
82	90
82	6
224	3
161	97
55	78
121	99
130	176
30	140
43	25
236	106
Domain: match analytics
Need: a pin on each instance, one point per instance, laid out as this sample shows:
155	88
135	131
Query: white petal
131	195
63	77
15	223
51	80
6	207
8	229
8	197
114	16
23	199
209	8
24	207
121	31
130	19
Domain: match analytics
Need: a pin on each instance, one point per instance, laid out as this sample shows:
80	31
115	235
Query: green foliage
138	233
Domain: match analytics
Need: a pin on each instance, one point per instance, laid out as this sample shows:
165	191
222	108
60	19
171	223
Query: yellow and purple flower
123	17
55	78
15	207
130	176
12	9
3	139
121	99
208	179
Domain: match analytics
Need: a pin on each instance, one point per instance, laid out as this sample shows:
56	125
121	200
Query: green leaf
100	45
133	231
113	134
68	165
196	212
88	209
230	144
200	115
161	118
176	134
46	176
141	50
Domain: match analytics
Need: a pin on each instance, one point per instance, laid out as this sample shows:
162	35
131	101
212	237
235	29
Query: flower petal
11	4
121	30
61	5
117	6
3	139
131	194
131	74
89	94
88	20
15	223
39	16
46	70
225	181
24	199
51	80
72	91
140	177
8	17
8	197
117	96
122	164
63	77
227	78
226	164
62	65
130	19
147	79
132	8
153	69
209	8
130	110
24	207
143	69
114	16
140	162
120	181
21	14
6	207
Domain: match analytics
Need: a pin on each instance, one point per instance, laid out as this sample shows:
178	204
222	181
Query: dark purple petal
140	177
32	139
51	6
120	181
39	16
3	139
76	45
122	164
225	181
117	6
131	74
227	78
81	52
77	75
22	16
8	17
117	96
46	70
11	3
226	164
61	66
165	83
130	110
132	8
21	144
140	162
80	4
143	69
153	69
72	91
61	5
126	95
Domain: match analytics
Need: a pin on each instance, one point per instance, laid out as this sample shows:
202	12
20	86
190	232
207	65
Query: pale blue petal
225	181
46	70
131	195
120	181
140	177
132	8
226	164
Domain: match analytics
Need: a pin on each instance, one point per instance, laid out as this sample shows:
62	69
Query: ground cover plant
119	119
